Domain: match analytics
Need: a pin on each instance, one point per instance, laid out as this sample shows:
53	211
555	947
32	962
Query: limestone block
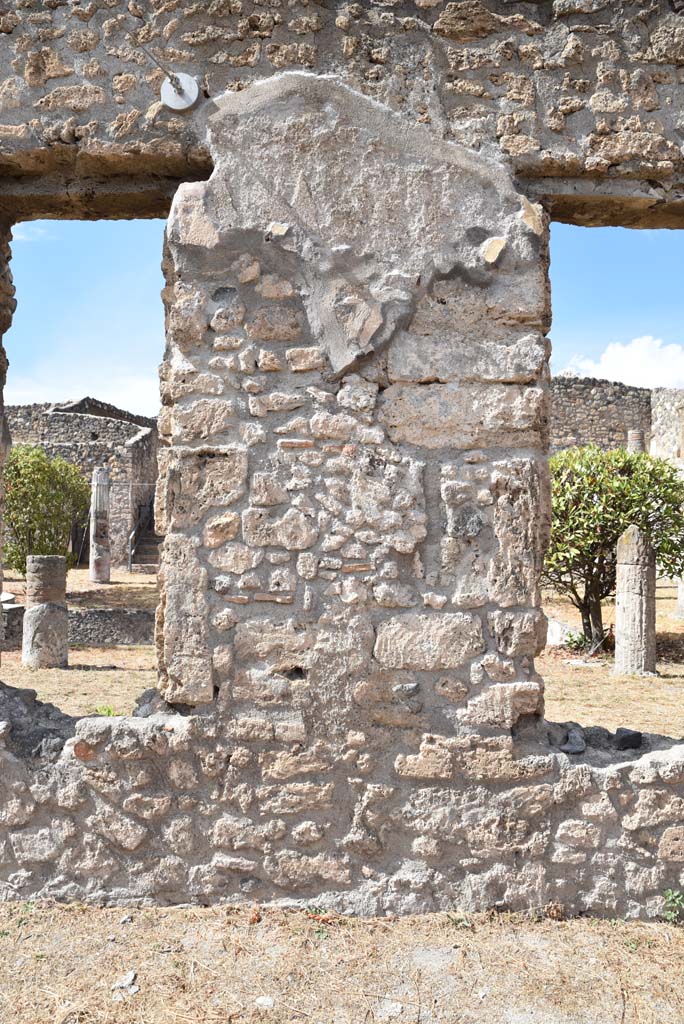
294	797
237	558
202	419
469	20
220	528
577	833
671	846
434	760
275	323
193	483
36	845
118	828
231	311
292	530
428	642
291	868
503	704
653	808
304	360
446	352
387	502
518	633
76	98
285	645
468	416
520	490
238	833
185	663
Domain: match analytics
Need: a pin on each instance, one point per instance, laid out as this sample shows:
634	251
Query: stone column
635	628
45	642
99	527
636	441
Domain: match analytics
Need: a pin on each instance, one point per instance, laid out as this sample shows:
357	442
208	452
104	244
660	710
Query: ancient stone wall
602	412
588	411
667	416
354	430
42	424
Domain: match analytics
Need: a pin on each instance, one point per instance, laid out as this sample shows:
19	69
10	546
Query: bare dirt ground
99	679
126	590
585	690
58	965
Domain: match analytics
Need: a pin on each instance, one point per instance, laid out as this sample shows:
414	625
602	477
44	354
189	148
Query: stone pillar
635	628
45	642
636	441
99	527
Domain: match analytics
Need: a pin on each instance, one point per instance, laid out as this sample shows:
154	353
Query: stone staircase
147	552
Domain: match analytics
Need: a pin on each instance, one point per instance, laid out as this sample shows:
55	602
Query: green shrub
595	496
44	499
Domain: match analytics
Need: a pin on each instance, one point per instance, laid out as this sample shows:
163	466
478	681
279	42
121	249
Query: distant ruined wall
31	424
589	411
667	415
90	440
355	424
602	412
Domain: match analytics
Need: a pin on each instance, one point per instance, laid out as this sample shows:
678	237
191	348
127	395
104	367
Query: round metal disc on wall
180	101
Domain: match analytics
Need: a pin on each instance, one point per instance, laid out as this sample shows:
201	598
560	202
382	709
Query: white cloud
643	362
28	231
138	394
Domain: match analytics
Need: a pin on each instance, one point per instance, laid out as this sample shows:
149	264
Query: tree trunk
586	621
596	620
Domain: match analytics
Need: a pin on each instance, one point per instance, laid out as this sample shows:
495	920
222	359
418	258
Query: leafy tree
44	499
595	496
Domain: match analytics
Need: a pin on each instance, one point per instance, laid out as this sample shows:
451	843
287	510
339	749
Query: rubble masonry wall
353	440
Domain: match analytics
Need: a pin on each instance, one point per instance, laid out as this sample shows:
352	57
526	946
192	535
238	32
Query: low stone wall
105	627
589	411
176	809
13	627
93	627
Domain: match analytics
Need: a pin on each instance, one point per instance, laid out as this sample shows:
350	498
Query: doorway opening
617	382
84	347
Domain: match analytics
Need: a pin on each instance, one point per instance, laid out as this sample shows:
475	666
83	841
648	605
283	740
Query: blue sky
618	304
90	318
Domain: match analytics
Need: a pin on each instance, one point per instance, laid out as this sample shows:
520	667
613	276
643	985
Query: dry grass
126	590
591	695
238	966
586	691
97	677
